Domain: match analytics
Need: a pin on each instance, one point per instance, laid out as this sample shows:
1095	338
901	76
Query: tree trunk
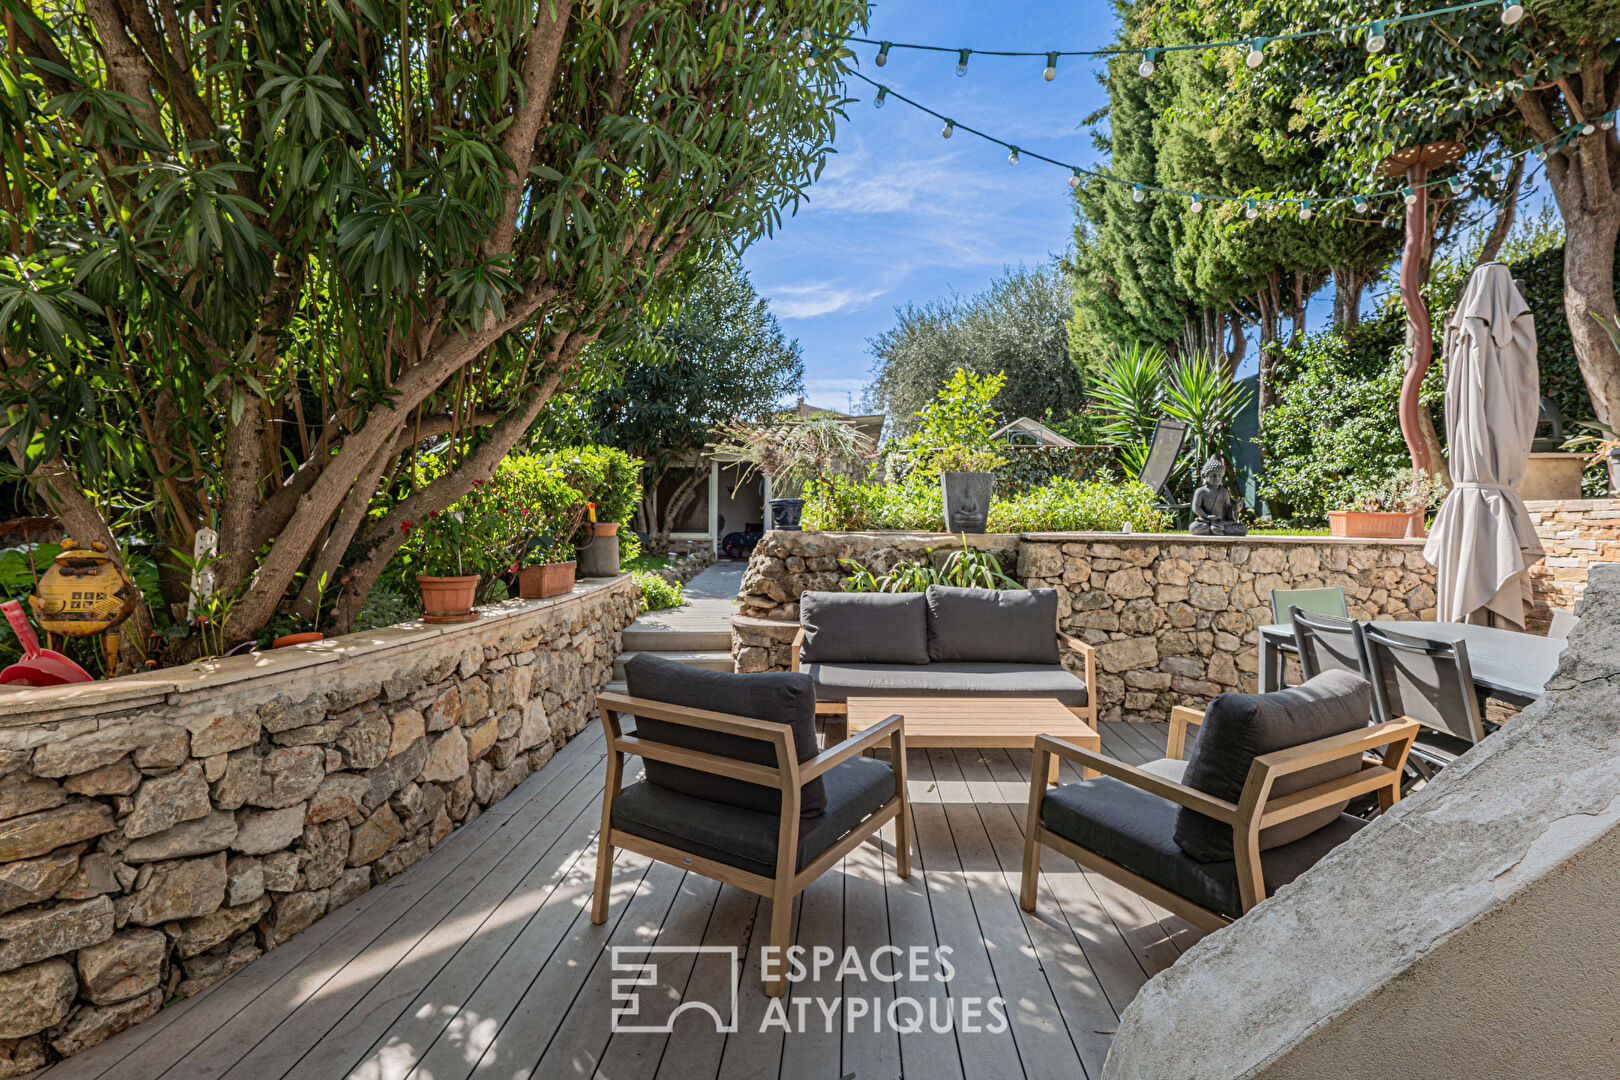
676	506
1589	243
1348	283
1505	215
1296	313
1239	344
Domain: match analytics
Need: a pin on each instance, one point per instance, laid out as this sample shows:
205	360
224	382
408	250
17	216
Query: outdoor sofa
945	642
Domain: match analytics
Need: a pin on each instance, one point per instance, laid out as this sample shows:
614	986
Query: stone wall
1173	616
158	832
1576	534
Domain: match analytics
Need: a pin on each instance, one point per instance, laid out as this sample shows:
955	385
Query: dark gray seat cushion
876	628
1137	830
746	839
1238	728
838	682
783	697
999	626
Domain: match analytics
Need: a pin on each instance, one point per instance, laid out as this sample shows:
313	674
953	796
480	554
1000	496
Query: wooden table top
971	721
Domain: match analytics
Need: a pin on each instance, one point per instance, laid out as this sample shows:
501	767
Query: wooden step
637	639
714	660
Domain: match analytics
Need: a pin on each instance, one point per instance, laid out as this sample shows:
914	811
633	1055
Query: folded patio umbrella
1482	541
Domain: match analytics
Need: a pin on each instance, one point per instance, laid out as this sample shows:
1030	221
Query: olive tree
307	270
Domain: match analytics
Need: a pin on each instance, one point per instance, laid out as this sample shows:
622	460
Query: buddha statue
1213	509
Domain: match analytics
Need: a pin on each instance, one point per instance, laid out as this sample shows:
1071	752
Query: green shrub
608	476
968	568
1070	506
657	594
1026	467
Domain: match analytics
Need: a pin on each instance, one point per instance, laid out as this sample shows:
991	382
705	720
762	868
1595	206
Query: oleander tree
262	260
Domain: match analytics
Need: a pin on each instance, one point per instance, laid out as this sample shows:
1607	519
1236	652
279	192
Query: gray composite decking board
481	962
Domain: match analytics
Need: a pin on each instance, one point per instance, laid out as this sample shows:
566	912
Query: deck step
714	660
637	639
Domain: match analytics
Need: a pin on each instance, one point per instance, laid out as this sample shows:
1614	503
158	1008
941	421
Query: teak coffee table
1003	723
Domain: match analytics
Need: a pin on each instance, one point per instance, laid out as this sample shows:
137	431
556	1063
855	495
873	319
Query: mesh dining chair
1328	643
1430	681
1285	601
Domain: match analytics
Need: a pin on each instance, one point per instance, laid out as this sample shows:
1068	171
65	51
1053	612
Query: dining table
1508	664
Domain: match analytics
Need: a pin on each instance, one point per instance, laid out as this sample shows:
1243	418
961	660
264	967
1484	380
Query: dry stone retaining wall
1576	534
1173	616
159	832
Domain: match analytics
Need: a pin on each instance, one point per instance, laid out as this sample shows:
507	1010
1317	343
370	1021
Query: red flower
406	526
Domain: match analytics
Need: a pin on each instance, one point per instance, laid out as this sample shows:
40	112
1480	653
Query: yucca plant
968	568
1130	385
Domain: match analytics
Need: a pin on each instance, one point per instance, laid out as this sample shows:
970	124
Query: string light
1149	62
1197	206
1305	210
877	102
1457	183
1376	37
805	33
1588	129
1012	158
1075	180
1253	211
1051	67
1512	12
1257	53
961	62
1138	193
949	129
883	53
1361	204
1608	121
1409	195
1499	172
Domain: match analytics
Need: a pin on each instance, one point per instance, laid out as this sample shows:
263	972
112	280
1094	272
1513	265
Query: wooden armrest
781	775
1373	774
1348	744
1072	642
1181	718
793	649
743	726
765	775
880	732
1180	794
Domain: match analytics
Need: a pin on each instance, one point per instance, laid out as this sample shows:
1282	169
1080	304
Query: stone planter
546	580
1376	525
448	599
1553	476
967	500
785	514
600	556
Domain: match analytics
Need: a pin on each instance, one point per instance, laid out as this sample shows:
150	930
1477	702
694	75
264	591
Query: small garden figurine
1212	506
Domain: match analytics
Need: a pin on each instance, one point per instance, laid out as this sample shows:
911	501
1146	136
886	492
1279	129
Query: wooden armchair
773	855
1126	824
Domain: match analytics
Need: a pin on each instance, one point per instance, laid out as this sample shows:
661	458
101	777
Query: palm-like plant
1137	386
1130	385
791	452
1200	391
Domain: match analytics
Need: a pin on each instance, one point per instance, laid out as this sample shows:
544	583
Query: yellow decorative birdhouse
83	592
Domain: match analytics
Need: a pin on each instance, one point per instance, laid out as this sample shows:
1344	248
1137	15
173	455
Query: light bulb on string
810	61
961	62
1074	180
883	53
1150	59
1608	121
1409	195
877	102
1512	12
1457	183
1012	155
1257	53
1051	67
948	130
1253	211
1376	37
1361	204
1498	172
805	33
1588	129
1197	206
1305	210
1138	193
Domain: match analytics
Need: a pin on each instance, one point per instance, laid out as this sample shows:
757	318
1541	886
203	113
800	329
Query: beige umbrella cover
1482	541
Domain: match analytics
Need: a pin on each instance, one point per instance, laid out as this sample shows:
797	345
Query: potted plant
440	550
791	453
1390	509
552	574
966	478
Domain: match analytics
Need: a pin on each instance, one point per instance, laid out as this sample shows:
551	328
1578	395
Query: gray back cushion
1238	728
783	697
864	628
997	626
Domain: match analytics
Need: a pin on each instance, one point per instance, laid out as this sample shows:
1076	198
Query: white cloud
811	298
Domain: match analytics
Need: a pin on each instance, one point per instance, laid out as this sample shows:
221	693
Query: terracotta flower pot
605	528
302	638
546	579
1376	525
448	599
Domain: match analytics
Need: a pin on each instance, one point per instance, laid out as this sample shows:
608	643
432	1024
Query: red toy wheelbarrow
38	667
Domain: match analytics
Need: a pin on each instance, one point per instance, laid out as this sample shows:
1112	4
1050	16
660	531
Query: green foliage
1405	491
1085	428
1017	327
657	593
966	568
1069	506
16	571
954	431
607	476
1542	274
1137	386
1026	467
792	452
845	504
1129	388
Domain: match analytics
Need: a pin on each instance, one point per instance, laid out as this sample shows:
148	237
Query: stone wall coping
1556	505
1188	538
48	704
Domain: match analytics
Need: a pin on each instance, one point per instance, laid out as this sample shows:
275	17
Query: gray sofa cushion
1000	626
1238	728
839	682
745	838
785	697
874	628
1136	830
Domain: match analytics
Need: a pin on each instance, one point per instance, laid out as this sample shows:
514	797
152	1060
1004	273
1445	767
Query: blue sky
902	215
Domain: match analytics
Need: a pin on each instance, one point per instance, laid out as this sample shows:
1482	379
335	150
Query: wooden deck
481	961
